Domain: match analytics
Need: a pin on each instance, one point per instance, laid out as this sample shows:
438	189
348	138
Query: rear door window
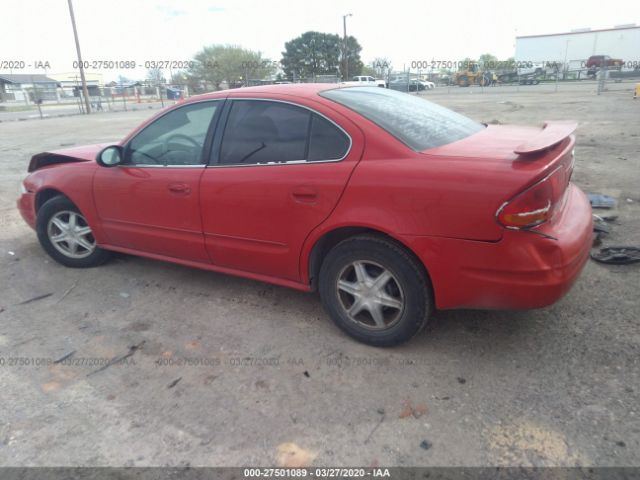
266	132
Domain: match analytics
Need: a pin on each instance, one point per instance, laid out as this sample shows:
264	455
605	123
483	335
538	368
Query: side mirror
110	156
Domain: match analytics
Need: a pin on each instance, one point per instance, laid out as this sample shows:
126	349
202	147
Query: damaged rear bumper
523	270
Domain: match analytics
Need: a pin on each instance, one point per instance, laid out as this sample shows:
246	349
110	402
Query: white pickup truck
365	80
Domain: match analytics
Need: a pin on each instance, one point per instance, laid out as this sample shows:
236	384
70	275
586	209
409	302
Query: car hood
85	153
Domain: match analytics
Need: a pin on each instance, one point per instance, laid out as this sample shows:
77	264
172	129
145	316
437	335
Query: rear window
416	122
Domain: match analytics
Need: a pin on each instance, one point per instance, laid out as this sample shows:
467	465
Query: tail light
536	204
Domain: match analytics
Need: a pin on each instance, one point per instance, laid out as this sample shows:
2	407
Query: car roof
296	89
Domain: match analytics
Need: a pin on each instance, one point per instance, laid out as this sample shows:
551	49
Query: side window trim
212	130
214	157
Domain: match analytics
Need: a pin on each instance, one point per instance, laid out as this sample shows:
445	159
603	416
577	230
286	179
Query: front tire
375	291
66	236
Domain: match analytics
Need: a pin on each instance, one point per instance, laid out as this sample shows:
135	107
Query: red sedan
389	205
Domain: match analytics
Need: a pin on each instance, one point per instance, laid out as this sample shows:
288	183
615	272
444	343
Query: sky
403	31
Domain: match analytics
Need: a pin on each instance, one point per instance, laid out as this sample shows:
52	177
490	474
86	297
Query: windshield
417	123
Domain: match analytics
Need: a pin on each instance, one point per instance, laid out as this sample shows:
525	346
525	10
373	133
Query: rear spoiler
551	134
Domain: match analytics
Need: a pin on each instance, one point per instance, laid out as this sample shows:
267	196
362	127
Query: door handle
179	188
304	194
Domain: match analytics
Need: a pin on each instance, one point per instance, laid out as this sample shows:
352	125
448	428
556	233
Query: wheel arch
329	239
46	194
82	201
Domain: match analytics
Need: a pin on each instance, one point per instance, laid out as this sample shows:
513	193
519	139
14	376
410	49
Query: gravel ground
227	371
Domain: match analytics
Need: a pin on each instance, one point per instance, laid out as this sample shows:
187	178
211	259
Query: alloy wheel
370	295
71	235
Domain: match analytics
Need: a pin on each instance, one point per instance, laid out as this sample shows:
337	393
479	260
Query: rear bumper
26	207
523	270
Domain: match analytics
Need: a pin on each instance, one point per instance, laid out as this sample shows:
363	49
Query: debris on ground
174	383
607	216
291	455
426	444
599	200
596	240
599	225
118	359
382	415
617	255
69	290
461	380
67	356
35	299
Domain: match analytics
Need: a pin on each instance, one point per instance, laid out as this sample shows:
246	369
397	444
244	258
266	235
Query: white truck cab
364	80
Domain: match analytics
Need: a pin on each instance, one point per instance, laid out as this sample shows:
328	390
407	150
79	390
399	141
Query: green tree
311	54
232	64
182	78
353	56
367	70
487	57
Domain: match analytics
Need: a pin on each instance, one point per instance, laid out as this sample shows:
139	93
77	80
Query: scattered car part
599	200
618	255
599	225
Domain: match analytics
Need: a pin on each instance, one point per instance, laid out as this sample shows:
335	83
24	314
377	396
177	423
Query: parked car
600	61
402	85
387	204
427	84
365	80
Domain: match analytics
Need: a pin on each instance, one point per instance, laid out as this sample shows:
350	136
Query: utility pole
344	41
564	65
85	91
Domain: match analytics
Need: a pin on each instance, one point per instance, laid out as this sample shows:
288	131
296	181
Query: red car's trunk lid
502	161
514	155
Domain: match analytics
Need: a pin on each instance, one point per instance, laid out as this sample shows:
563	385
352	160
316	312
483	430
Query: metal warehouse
622	41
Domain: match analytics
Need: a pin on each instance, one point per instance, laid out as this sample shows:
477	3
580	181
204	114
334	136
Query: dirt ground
226	371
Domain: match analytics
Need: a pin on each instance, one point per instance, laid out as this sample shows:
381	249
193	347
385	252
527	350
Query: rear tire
375	291
66	236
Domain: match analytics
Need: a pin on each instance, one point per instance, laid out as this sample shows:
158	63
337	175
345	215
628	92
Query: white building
622	41
70	82
27	87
